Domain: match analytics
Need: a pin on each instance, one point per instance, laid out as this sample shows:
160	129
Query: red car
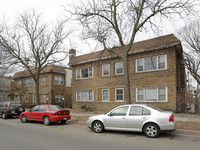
46	113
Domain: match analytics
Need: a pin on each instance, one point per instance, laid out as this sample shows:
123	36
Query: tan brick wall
161	78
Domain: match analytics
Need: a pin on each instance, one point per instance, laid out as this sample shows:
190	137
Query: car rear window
54	107
15	104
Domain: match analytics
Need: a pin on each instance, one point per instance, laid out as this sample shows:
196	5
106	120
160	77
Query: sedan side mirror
30	110
110	114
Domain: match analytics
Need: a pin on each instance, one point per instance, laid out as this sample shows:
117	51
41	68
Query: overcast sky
52	9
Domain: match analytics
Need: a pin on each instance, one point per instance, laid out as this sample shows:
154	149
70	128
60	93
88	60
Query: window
84	96
43	98
151	63
119	94
157	94
43	80
20	83
105	95
121	111
35	108
32	82
59	98
84	73
105	69
42	108
25	97
137	110
119	69
34	97
59	80
27	83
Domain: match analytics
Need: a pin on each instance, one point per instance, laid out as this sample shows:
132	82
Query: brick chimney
72	53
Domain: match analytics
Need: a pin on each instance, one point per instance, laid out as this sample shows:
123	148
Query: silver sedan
134	117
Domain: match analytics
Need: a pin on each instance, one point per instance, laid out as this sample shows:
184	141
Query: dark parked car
46	114
8	109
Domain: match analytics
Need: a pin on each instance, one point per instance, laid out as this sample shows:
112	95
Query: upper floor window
151	63
154	94
84	73
43	80
20	83
32	82
119	68
59	98
59	80
27	82
105	69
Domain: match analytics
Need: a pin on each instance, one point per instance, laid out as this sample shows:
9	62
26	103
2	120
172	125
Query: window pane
84	73
119	94
106	69
140	95
135	110
78	96
119	68
120	111
78	74
140	64
105	95
146	112
150	63
151	94
90	72
161	94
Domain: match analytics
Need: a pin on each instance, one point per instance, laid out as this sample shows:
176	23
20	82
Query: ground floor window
119	94
105	95
59	98
152	94
84	95
43	98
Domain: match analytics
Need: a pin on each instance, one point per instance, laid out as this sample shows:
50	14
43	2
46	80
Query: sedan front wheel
23	119
97	127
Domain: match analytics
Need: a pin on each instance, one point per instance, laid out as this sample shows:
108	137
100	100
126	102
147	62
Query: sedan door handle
123	117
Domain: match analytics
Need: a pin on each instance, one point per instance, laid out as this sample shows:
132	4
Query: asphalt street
72	136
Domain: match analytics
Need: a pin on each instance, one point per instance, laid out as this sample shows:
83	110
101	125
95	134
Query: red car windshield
54	107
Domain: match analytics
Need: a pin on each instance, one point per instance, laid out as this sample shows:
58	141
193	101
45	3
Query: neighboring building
156	71
5	88
54	82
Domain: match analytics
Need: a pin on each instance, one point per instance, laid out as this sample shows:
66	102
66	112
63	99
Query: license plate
12	112
65	118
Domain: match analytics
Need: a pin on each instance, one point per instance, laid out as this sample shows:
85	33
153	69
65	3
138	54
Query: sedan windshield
54	107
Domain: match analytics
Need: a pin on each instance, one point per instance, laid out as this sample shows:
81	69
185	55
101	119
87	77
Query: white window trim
166	95
81	73
59	79
116	68
103	70
44	80
85	100
108	95
26	99
166	67
116	95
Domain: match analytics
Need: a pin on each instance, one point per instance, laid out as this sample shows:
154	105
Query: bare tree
190	34
117	23
33	43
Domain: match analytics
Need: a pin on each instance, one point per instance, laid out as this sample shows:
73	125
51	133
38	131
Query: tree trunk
126	78
37	89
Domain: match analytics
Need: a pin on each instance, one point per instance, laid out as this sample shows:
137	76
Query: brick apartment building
5	88
156	71
54	86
